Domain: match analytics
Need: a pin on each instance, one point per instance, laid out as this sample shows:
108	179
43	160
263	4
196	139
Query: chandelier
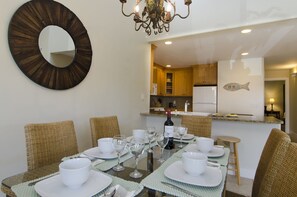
156	14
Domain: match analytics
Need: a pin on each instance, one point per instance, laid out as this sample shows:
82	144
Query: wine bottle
169	131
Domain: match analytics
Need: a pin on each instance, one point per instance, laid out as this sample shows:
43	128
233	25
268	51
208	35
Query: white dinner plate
146	140
53	186
185	137
210	178
95	152
215	152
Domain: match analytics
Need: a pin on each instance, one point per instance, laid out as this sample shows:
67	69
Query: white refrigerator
205	99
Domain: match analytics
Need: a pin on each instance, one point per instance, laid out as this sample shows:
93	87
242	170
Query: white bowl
194	163
105	145
139	134
75	172
205	144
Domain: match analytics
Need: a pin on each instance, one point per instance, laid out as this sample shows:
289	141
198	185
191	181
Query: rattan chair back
198	125
272	155
285	183
103	127
48	143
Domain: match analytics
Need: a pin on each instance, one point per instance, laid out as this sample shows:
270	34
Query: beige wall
118	82
242	101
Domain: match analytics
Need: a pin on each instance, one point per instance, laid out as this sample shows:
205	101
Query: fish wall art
236	86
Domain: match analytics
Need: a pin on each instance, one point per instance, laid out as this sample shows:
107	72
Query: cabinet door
158	78
169	83
183	82
205	74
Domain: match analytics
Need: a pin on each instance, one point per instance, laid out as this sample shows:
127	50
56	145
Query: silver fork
110	192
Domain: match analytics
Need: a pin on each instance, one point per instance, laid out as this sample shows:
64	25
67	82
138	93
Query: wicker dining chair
103	127
198	125
272	155
48	143
285	183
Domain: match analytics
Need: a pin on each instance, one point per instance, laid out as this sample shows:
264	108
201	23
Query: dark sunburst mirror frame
23	34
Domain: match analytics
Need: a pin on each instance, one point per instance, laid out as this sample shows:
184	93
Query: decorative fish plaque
236	86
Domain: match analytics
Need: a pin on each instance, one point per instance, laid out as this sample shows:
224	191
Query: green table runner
153	181
23	190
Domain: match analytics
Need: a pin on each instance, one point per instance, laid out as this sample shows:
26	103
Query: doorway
277	100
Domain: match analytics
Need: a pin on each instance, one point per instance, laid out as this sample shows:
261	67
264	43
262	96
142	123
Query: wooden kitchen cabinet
169	83
205	74
159	79
183	82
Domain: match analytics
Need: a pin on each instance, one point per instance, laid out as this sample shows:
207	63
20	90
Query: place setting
181	135
76	178
206	145
106	149
189	175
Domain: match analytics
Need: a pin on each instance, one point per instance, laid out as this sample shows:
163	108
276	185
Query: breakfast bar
252	131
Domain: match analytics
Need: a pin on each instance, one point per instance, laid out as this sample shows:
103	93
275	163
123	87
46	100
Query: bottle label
169	130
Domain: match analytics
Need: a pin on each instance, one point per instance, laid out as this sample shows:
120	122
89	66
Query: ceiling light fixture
156	14
168	42
245	53
246	31
168	66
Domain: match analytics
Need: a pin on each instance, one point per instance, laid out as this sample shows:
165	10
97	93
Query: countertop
264	119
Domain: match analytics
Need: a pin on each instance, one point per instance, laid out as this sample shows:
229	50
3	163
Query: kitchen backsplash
171	102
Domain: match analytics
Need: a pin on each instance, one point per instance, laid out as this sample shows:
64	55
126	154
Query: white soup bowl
205	144
75	172
105	145
139	134
194	163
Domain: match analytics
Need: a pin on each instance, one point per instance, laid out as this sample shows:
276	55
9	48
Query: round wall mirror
25	29
56	46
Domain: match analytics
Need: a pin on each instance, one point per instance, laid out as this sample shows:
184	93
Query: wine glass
136	147
151	133
162	142
181	132
119	143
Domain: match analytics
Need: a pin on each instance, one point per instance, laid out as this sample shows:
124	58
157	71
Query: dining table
159	179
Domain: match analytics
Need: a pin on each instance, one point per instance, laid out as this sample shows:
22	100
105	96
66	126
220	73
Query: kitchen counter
253	133
252	119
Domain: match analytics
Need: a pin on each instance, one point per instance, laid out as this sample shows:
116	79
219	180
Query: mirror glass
56	46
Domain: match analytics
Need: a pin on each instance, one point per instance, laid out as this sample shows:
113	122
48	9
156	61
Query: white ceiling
276	42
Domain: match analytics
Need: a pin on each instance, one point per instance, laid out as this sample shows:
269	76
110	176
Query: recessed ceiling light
168	66
245	53
168	42
246	31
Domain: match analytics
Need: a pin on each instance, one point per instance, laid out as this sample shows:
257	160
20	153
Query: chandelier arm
182	17
127	15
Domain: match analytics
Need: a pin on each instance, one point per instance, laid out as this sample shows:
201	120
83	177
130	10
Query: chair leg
236	163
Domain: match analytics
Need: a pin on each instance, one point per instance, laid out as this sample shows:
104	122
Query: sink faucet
186	105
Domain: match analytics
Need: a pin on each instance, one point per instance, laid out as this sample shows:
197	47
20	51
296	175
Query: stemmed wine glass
151	133
119	143
136	147
181	132
162	142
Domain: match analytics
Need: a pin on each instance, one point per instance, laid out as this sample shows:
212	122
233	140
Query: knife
179	188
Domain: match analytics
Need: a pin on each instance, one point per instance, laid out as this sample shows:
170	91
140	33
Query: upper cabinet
159	79
172	82
205	74
169	85
183	82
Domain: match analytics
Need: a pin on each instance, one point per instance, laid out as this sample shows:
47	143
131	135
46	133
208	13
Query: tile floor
242	190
